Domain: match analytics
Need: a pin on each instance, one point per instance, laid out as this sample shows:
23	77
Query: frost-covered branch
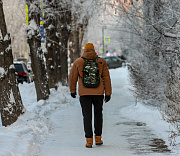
150	31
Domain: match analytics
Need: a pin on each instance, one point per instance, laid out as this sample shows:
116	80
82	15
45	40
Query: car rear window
25	67
108	59
114	59
19	67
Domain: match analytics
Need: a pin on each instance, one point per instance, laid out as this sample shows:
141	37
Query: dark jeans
86	104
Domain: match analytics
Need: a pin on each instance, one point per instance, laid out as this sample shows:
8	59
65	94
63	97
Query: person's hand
73	95
107	98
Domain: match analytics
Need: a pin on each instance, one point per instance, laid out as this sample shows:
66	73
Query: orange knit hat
89	45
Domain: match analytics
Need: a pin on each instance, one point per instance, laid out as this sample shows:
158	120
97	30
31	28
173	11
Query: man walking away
93	78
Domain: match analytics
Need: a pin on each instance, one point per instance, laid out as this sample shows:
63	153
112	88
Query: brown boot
98	140
89	142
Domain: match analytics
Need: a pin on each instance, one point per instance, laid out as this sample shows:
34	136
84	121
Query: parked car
113	61
22	73
123	59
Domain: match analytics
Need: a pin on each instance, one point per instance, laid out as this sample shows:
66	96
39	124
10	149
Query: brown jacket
105	84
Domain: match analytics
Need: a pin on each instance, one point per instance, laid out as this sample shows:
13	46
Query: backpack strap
85	59
95	59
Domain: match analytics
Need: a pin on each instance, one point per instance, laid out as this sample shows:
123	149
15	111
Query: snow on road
55	127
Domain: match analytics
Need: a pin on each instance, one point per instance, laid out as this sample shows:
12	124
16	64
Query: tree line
154	34
65	23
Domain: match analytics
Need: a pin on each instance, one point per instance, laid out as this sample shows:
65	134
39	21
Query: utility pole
104	27
103	38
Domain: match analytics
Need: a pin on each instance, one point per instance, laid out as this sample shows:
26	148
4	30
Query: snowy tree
80	18
37	56
154	45
65	23
52	53
63	30
57	24
11	106
149	30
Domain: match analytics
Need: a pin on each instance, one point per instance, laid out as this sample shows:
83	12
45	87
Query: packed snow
2	72
54	127
1	36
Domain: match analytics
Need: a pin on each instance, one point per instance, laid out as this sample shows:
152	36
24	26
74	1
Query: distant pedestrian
93	78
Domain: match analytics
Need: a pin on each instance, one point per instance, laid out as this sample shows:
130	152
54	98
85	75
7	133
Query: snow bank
120	78
153	119
26	135
152	116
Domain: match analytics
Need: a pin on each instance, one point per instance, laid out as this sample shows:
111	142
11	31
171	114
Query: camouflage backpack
90	74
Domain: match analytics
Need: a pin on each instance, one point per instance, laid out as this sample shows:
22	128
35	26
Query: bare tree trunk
52	50
10	100
81	36
76	37
57	25
77	49
74	41
37	57
63	30
51	65
83	28
71	46
63	61
59	49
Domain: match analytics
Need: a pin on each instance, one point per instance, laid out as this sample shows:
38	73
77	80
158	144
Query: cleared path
121	136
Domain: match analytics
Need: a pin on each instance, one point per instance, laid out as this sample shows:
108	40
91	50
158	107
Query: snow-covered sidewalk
123	135
68	137
55	127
